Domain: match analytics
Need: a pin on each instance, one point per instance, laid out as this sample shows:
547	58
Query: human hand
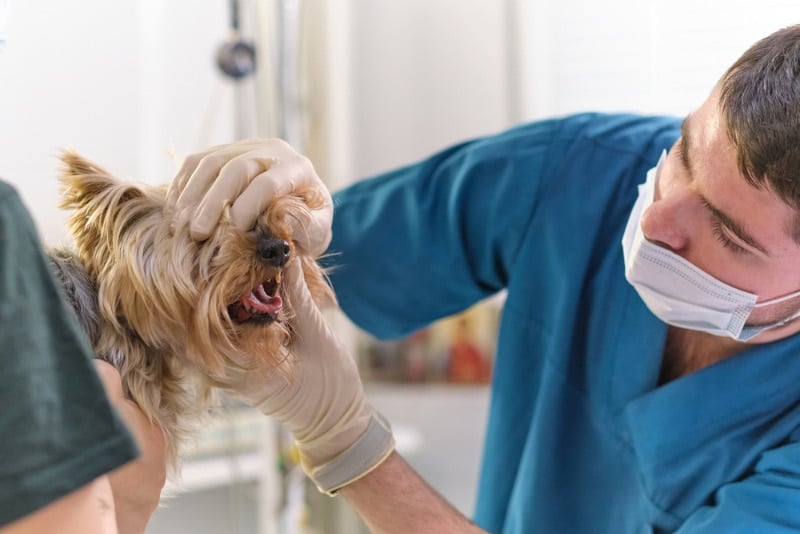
318	396
137	485
247	175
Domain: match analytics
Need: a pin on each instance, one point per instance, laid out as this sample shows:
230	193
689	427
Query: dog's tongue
263	303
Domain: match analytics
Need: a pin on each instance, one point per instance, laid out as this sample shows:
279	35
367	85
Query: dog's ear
85	182
102	208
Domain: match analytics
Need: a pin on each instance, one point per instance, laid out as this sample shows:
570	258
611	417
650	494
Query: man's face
705	211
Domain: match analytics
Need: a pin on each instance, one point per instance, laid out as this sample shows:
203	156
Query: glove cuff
367	453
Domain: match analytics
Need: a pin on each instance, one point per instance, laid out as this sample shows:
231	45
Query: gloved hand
340	437
246	175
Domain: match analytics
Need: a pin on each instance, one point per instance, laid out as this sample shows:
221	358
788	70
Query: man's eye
727	242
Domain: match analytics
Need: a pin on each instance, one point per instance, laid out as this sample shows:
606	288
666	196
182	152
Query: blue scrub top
580	438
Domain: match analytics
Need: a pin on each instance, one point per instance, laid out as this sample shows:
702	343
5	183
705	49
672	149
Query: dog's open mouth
261	305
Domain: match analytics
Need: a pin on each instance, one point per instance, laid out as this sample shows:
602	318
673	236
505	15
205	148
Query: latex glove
247	175
340	438
137	485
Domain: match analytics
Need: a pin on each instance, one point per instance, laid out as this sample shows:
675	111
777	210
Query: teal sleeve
430	239
767	501
57	430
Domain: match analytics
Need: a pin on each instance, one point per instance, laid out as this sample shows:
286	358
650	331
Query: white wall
658	56
426	74
401	79
123	82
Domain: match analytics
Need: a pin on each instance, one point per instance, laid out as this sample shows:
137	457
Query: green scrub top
580	438
57	430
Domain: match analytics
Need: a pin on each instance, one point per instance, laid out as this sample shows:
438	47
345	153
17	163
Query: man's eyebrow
725	220
735	228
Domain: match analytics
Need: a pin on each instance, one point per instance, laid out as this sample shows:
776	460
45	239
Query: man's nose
667	222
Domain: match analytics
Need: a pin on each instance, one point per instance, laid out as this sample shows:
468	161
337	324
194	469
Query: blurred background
360	86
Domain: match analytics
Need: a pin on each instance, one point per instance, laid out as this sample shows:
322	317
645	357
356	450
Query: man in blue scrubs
647	364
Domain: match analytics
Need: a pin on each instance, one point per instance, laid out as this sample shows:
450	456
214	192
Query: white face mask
5	7
681	294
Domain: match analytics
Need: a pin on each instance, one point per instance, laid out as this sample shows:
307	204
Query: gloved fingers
290	172
309	326
246	175
297	291
226	186
314	235
252	201
188	186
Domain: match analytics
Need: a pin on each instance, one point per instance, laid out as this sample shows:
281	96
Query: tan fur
163	298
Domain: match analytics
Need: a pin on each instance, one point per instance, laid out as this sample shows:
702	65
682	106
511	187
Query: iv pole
236	59
272	105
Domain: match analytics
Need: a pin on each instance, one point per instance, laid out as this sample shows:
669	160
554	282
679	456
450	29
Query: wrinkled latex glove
339	436
246	175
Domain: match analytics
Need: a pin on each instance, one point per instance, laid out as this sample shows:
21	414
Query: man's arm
343	443
137	485
87	510
393	498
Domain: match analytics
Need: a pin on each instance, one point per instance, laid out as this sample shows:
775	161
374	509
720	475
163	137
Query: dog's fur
168	311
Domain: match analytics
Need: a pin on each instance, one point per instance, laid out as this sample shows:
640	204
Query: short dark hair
760	102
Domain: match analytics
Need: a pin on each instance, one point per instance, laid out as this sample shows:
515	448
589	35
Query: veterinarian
69	463
647	364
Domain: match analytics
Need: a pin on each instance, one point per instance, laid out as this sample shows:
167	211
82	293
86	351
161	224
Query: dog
172	314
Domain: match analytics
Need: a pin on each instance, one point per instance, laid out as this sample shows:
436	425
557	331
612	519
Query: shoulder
8	194
617	133
13	212
589	138
622	128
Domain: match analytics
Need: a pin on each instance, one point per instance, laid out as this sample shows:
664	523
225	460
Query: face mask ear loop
782	322
778	300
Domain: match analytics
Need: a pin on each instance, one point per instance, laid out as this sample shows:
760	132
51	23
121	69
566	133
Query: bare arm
137	485
127	496
88	510
395	499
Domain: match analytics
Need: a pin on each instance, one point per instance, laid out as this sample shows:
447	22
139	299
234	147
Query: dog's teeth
278	278
249	306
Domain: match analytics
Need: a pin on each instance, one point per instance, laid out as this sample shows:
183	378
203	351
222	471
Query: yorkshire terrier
172	314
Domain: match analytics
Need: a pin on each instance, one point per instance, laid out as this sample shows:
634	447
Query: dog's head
169	302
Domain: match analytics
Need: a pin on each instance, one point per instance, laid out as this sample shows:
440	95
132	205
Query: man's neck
687	351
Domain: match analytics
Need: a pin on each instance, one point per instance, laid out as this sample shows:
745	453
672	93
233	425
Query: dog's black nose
274	251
